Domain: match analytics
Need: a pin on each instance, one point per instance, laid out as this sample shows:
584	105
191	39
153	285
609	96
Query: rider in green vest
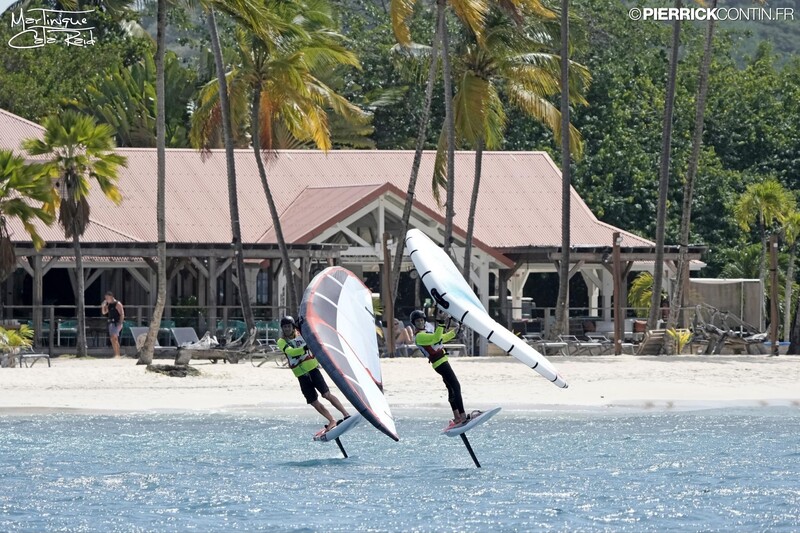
306	368
430	340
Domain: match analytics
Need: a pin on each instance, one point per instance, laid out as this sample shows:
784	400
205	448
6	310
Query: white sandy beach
606	382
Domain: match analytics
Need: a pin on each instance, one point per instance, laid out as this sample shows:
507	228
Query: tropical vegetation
733	144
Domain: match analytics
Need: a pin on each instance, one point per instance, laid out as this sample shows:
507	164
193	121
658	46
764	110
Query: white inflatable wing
339	327
451	293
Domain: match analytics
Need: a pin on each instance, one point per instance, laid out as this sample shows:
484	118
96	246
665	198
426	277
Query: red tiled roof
519	204
316	208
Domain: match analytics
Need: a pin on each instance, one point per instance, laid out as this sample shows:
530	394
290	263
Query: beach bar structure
335	208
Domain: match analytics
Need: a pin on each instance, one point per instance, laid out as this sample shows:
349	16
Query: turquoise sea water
719	470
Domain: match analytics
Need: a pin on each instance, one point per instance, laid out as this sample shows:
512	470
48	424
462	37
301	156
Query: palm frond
401	11
471	105
472	13
545	112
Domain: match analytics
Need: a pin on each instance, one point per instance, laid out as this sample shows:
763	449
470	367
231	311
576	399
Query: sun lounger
267	349
28	355
455	350
184	336
538	343
139	335
608	344
577	347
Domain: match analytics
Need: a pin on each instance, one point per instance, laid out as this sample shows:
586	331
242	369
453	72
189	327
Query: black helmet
415	315
287	321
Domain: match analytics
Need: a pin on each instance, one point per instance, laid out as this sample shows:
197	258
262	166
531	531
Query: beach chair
44	334
67	331
139	335
577	347
536	341
455	350
608	344
184	336
28	355
267	349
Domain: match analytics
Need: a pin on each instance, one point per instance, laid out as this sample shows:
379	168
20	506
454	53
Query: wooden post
773	293
212	295
502	296
305	268
53	326
388	308
619	320
37	299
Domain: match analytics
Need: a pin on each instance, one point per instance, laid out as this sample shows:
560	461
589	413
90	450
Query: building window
262	287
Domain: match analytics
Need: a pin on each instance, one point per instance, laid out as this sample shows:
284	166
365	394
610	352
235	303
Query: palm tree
691	173
521	64
791	232
743	262
471	13
80	151
233	200
287	98
22	185
762	204
146	352
562	304
663	181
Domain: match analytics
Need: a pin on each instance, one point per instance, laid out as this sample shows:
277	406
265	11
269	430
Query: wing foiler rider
430	340
306	368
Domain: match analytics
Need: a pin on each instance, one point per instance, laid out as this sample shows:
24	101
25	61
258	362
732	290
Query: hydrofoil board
342	427
472	423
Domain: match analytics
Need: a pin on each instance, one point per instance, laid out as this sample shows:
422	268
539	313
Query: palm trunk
450	133
146	353
421	135
762	272
794	339
255	125
663	182
473	205
80	300
688	186
562	304
787	292
233	200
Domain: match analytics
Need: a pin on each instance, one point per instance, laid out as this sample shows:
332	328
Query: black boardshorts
311	383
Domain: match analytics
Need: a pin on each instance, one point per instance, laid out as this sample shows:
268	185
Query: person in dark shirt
116	315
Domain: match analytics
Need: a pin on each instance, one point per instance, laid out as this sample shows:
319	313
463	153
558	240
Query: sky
5	4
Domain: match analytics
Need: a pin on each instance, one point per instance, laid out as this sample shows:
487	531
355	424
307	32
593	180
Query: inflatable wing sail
452	294
339	327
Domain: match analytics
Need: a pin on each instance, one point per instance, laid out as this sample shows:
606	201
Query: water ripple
726	470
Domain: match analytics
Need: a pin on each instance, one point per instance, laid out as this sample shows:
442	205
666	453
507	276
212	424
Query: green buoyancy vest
431	341
300	358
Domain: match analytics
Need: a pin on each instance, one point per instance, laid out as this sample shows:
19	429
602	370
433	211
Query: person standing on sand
116	315
430	341
306	368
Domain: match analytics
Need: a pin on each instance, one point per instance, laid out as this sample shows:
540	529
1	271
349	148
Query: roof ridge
114	230
21	119
352	186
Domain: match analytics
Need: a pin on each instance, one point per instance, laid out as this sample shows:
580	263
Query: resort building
335	207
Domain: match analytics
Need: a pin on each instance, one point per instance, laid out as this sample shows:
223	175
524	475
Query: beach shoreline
598	384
